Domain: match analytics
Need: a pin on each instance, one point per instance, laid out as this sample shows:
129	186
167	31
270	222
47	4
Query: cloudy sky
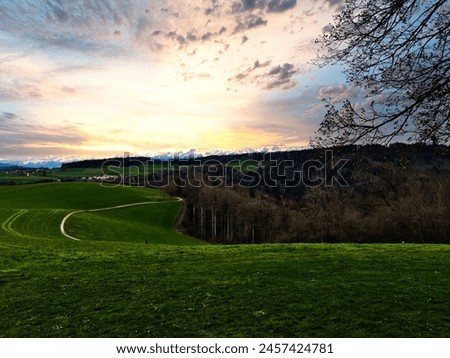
94	78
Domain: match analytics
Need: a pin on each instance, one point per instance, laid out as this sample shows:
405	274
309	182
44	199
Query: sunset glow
85	79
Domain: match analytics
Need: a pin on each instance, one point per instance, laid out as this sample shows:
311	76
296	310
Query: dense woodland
397	194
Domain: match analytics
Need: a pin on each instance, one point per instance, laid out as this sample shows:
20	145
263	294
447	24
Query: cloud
59	13
340	92
93	27
207	36
7	116
19	91
248	5
244	74
83	26
361	98
8	121
21	135
189	76
268	5
258	64
213	7
291	119
280	5
249	22
31	80
192	37
11	58
277	77
336	4
280	77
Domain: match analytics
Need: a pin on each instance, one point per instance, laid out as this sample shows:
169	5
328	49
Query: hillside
36	211
113	284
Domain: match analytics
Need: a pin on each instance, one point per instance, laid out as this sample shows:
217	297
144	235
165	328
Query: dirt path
63	222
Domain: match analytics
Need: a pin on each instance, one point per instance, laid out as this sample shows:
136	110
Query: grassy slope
73	196
152	224
51	286
36	211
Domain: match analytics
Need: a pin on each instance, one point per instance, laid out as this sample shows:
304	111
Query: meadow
8	177
133	275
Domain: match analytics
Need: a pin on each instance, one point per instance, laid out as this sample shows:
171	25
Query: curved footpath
63	222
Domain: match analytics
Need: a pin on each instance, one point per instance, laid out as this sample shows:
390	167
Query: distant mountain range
29	164
7	165
161	156
220	155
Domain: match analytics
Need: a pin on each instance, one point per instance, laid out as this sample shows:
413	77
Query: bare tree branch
398	52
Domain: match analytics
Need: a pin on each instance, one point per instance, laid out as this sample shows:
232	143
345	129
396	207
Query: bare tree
397	52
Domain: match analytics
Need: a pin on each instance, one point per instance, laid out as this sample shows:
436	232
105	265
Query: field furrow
7	224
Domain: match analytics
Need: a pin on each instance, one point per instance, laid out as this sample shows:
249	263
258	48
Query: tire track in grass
7	224
64	220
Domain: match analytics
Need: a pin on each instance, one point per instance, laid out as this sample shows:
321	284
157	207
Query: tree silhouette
397	54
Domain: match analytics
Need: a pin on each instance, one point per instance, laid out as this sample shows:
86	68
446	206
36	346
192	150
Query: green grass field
134	170
57	173
18	179
112	284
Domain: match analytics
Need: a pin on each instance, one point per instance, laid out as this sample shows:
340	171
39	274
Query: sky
99	78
